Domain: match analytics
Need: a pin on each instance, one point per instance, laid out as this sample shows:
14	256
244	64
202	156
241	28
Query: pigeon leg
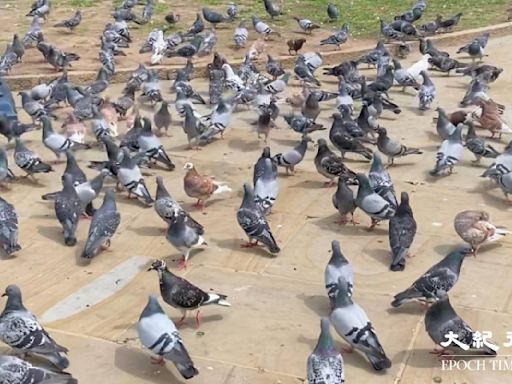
342	220
180	322
198	319
328	184
373	225
347	349
249	244
353	221
182	264
157	360
106	246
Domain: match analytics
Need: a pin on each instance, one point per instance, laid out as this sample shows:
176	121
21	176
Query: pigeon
329	165
302	125
6	174
274	67
427	92
477	145
90	190
159	334
183	295
490	118
72	22
201	187
388	31
193	127
306	25
254	224
16	370
445	64
58	143
20	330
332	12
441	277
295	45
271	8
292	157
260	167
502	165
338	266
476	47
380	181
8	228
162	117
421	65
40	8
444	126
278	85
68	210
476	229
304	74
427	48
240	35
392	148
17	47
131	179
403	77
352	324
505	183
151	148
449	23
197	26
345	142
442	320
449	153
402	229
104	224
337	38
219	121
28	160
325	364
266	188
371	203
213	17
343	201
262	28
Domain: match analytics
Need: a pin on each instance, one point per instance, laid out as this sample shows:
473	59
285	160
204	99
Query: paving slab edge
20	82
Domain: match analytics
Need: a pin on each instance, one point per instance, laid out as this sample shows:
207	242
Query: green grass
81	3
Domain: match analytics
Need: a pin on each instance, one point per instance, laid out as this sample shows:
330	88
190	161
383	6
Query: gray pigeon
72	22
18	371
343	201
441	320
476	47
402	229
5	173
427	92
440	277
371	203
151	147
162	117
444	127
329	165
332	12
380	181
306	25
352	324
254	224
292	157
28	160
183	295
266	188
502	165
192	126
392	148
262	28
219	120
20	330
130	177
159	334
68	210
104	224
338	266
478	146
505	183
8	228
56	142
185	235
311	108
259	166
89	191
449	153
337	38
72	169
325	364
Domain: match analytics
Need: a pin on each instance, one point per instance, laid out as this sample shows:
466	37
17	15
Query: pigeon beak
150	269
4	294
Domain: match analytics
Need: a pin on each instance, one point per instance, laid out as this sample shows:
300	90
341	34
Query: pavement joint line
410	351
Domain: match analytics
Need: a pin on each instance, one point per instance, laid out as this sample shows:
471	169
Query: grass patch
81	3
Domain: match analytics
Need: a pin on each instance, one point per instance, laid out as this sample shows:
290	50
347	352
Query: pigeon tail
221	189
217	298
408	294
498	234
412	151
398	262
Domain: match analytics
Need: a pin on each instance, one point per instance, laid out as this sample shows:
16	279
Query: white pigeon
421	65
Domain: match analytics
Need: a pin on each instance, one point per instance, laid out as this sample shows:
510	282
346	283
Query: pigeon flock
129	132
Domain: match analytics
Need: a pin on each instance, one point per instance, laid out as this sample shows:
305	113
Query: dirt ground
273	324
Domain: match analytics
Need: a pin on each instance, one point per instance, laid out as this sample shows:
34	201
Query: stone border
20	82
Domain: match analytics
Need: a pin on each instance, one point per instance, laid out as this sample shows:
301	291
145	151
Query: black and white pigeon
240	35
185	234
151	147
427	92
266	187
20	330
330	165
88	191
293	156
477	146
441	277
392	148
441	320
343	201
449	153
325	364
104	224
68	210
254	223
17	371
338	266
371	203
28	160
72	22
56	142
130	177
159	334
380	181
183	295
337	38
6	174
402	229
352	324
8	228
